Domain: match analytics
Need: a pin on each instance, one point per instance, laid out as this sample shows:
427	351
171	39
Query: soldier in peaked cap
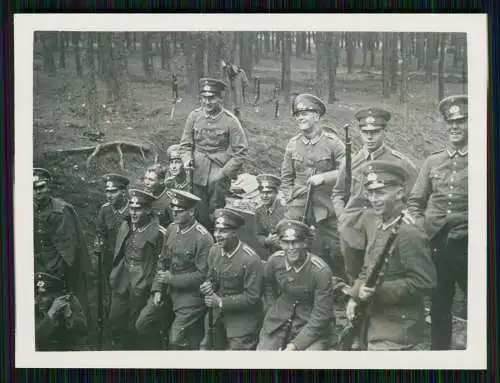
109	219
314	157
440	198
396	320
216	145
233	288
269	213
60	321
138	244
60	246
180	271
298	281
352	216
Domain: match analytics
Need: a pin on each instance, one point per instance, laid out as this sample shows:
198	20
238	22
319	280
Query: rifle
289	325
308	200
375	278
348	165
100	291
211	326
164	264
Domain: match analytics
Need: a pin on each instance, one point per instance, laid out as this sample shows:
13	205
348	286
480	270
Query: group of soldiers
369	228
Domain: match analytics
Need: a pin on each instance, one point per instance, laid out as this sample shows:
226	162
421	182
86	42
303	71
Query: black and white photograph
208	183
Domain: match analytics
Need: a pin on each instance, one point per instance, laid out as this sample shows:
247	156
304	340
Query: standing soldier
138	245
154	182
233	289
109	220
396	317
216	145
60	321
440	197
352	225
313	157
298	295
238	81
181	269
269	214
60	248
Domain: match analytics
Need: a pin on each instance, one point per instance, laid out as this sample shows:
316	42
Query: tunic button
449	202
450	195
454	171
448	211
451	187
452	179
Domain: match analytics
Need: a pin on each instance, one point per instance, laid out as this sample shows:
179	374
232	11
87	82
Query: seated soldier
154	183
269	213
298	295
233	288
59	319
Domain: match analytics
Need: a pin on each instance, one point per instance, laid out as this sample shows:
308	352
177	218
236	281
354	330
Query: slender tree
406	42
286	64
350	50
90	84
75	37
442	58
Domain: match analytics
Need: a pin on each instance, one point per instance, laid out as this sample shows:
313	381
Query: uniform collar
121	210
313	140
215	116
272	208
230	255
461	152
141	229
188	229
391	222
374	155
297	269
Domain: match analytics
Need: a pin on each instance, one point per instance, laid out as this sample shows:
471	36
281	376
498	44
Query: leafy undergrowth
144	117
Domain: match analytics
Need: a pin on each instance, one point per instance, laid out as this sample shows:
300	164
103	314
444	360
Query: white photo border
475	25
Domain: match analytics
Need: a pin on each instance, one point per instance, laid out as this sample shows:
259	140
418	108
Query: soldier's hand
290	347
163	277
366	292
272	239
59	306
316	180
407	218
350	310
218	175
212	300
157	298
206	288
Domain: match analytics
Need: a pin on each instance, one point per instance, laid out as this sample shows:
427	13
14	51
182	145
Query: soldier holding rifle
298	295
350	214
396	316
313	157
440	198
233	289
181	269
216	144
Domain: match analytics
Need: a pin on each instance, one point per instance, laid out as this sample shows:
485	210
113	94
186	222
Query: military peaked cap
372	118
292	230
268	182
182	199
308	102
383	173
227	218
41	177
140	198
115	181
211	86
454	107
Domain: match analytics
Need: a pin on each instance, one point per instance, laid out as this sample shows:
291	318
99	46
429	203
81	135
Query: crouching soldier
60	322
396	320
138	245
181	269
269	214
298	295
233	288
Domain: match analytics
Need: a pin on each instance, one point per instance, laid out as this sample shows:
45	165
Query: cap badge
109	184
134	199
207	87
36	178
290	232
370	120
372	177
265	184
175	201
40	283
220	221
454	109
301	105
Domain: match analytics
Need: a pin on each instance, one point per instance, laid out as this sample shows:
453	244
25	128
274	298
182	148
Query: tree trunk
394	62
49	44
75	36
164	51
245	50
134	41
373	48
90	85
191	67
213	54
350	50
267	43
430	55
442	57
286	57
199	56
386	65
406	42
62	49
308	41
464	65
146	54
332	49
420	50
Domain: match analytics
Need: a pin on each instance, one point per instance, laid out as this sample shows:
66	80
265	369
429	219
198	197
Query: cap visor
371	127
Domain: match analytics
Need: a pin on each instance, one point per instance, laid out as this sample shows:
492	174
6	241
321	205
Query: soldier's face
268	196
211	104
114	196
182	216
44	301
385	199
294	250
40	193
306	119
458	131
175	167
224	236
139	215
373	139
151	180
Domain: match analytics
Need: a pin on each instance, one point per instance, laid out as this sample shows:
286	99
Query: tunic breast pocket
324	164
436	180
232	280
299	292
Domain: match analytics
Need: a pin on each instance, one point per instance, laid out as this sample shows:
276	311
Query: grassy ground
60	122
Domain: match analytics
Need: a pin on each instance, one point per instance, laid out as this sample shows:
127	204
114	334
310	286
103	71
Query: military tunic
61	334
266	221
351	218
219	144
237	278
185	254
396	320
134	263
60	247
440	198
161	208
324	154
310	287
